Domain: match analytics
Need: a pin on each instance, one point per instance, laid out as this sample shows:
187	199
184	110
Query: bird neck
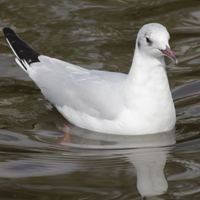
147	70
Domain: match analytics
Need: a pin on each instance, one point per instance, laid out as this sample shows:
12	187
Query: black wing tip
7	30
18	46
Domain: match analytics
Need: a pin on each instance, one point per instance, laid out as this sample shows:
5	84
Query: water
37	162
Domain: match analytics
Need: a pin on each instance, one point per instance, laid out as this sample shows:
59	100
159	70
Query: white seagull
136	103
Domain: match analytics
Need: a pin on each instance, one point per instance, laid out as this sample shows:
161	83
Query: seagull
136	103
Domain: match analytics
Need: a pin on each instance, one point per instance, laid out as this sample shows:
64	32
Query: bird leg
67	134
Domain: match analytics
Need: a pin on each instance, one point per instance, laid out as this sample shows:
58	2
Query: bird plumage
109	102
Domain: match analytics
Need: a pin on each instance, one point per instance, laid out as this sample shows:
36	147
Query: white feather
110	102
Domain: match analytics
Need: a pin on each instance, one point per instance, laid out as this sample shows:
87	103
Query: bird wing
93	92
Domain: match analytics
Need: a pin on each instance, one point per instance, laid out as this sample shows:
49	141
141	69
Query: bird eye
148	40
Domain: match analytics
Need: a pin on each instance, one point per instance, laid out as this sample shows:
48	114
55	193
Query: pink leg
67	135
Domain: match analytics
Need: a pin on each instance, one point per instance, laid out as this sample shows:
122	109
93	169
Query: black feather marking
138	45
20	48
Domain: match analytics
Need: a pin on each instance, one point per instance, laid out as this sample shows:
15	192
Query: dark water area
37	163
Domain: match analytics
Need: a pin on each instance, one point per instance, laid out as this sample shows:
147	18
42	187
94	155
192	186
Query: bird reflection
147	153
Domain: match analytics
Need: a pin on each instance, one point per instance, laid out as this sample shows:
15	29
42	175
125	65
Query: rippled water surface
37	162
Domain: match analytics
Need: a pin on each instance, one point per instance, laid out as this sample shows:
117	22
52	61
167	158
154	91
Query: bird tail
25	55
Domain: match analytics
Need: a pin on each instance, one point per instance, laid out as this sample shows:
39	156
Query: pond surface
37	162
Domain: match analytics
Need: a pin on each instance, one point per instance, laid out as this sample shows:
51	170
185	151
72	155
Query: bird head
153	40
